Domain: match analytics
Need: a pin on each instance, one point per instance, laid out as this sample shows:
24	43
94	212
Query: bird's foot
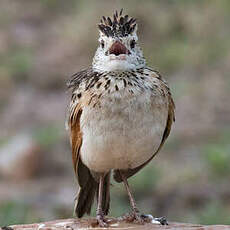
142	218
101	220
134	217
156	220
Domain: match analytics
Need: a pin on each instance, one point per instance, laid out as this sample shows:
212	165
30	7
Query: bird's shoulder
80	77
156	74
161	85
167	93
156	77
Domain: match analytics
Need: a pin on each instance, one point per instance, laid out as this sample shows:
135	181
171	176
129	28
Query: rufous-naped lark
120	115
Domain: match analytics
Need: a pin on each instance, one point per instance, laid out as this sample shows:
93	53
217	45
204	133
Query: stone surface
73	224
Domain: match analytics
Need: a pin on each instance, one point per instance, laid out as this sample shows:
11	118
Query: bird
120	114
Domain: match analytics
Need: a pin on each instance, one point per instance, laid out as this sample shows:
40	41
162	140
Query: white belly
124	132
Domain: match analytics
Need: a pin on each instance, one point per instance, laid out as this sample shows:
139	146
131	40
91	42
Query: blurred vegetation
15	212
217	157
215	213
186	40
47	136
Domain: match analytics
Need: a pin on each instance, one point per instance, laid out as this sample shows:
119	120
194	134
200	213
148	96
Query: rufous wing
76	141
75	133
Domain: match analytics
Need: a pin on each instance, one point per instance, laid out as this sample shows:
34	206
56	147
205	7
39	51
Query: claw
101	221
134	217
147	218
162	220
142	218
159	220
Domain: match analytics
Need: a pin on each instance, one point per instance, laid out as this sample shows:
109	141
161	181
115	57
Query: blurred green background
42	42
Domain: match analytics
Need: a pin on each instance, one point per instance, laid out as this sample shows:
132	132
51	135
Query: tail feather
86	195
85	198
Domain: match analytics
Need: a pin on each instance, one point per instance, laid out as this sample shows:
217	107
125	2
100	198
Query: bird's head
118	49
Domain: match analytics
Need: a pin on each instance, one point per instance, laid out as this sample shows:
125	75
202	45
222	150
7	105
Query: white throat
115	65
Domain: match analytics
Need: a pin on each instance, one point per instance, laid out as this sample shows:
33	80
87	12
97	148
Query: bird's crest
119	26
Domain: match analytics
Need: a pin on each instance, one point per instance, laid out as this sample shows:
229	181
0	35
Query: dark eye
132	44
102	44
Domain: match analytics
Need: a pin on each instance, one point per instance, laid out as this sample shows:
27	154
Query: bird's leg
99	212
135	215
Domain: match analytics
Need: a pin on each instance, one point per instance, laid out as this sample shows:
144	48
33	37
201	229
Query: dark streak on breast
98	85
125	83
133	74
91	99
131	91
107	84
94	79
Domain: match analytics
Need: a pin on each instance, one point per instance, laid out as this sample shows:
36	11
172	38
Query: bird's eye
102	44
132	44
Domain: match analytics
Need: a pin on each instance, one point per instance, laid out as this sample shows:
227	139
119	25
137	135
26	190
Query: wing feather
75	133
74	119
78	83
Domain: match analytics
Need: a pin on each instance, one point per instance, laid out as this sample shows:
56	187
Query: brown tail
86	195
85	198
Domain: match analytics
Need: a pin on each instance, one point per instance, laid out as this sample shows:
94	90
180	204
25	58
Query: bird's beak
118	48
